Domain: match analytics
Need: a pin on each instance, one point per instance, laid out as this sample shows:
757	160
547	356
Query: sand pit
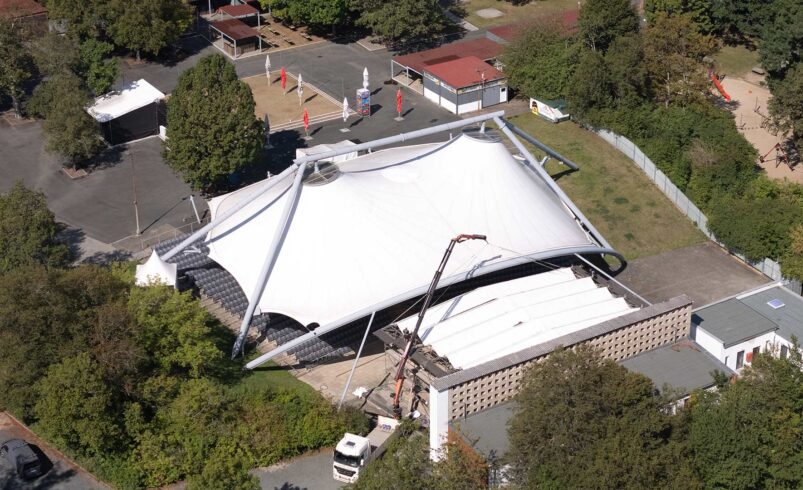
283	109
750	109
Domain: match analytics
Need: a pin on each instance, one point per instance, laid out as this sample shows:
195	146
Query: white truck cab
353	452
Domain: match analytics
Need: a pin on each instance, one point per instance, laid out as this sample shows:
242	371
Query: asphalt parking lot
308	472
62	475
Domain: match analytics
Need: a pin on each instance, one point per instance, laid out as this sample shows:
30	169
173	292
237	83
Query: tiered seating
218	284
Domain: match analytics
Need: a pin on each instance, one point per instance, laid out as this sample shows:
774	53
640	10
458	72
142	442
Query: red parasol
284	78
399	101
306	120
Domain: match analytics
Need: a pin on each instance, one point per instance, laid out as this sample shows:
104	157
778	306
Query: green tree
625	63
55	54
701	11
786	105
756	227
16	64
76	408
175	330
673	54
590	88
750	433
741	20
581	422
147	25
317	14
81	18
602	21
539	62
782	36
403	21
226	469
792	258
71	132
211	127
98	69
28	231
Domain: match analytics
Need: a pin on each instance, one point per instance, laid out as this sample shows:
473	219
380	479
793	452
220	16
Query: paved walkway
308	472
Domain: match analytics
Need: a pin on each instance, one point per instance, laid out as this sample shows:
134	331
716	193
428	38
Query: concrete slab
489	13
704	272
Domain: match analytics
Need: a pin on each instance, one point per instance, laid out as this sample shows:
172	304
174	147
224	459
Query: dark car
22	458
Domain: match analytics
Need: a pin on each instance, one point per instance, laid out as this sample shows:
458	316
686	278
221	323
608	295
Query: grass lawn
624	205
275	377
736	61
513	13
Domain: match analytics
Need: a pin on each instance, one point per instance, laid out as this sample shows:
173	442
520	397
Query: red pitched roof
568	22
238	10
234	29
482	48
465	72
14	9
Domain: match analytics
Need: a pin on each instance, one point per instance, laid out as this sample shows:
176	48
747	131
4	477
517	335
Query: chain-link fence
768	267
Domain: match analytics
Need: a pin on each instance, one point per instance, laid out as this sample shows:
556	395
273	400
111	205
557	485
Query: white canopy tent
133	96
156	271
500	319
378	230
367	233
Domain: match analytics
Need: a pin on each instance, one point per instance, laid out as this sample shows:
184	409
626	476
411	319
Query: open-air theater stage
305	258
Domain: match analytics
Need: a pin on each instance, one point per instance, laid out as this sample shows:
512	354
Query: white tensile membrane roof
493	321
379	230
131	97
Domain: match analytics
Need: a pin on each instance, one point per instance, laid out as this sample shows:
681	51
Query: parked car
22	458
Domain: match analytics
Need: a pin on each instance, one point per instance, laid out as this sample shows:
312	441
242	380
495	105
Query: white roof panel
493	321
378	231
133	96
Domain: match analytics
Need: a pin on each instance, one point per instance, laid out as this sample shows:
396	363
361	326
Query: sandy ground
750	108
283	109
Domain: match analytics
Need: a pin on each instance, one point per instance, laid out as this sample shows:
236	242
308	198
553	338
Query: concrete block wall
498	381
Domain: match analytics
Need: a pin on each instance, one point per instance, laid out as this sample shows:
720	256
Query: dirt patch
283	107
749	106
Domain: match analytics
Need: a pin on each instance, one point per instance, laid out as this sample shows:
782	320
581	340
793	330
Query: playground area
749	107
283	107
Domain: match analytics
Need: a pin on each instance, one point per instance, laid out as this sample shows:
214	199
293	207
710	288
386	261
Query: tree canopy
211	127
602	21
28	231
317	14
16	64
403	22
147	25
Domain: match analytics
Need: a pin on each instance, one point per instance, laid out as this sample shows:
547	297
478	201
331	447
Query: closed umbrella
306	121
300	89
267	67
284	80
345	109
365	78
399	101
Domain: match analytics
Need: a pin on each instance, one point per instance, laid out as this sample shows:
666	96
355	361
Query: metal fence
767	266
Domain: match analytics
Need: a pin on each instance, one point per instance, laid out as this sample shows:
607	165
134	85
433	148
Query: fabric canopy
504	318
378	230
133	96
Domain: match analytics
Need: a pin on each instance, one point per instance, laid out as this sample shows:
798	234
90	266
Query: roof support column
438	422
270	259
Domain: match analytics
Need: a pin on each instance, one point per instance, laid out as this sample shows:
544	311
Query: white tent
133	96
156	271
504	318
375	233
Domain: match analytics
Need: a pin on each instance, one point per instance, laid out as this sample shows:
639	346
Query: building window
756	351
784	351
726	360
740	359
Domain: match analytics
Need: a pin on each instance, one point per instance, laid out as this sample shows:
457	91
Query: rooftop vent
350	444
776	303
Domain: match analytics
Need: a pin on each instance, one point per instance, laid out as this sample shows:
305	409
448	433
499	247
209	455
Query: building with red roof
460	77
